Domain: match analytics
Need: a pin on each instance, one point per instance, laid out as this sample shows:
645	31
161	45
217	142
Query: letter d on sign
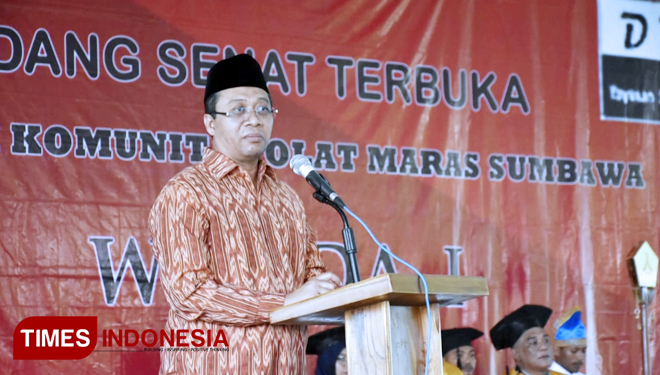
55	337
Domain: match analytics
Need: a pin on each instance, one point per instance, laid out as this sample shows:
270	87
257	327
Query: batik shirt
229	252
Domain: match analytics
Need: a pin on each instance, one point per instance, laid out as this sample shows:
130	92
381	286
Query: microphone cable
426	287
300	162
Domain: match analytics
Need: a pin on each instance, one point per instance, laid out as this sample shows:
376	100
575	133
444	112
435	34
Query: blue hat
570	330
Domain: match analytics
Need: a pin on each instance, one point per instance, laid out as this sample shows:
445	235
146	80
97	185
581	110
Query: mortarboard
321	341
457	337
327	345
508	330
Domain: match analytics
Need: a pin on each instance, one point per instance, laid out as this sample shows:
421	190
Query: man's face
241	138
341	366
468	359
571	357
533	351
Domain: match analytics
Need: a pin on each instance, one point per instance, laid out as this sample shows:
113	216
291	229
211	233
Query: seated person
570	343
457	348
330	347
523	332
449	369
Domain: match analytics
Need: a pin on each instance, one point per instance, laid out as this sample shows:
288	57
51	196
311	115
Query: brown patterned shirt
229	253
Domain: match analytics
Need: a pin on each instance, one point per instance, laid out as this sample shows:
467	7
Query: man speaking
233	241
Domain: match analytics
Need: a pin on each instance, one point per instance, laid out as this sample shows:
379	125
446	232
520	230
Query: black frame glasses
262	112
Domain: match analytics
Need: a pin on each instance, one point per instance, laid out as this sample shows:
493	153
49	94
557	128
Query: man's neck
252	169
249	165
558	367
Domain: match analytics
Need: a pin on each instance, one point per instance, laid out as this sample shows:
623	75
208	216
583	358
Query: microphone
302	167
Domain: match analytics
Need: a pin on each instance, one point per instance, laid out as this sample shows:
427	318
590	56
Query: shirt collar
560	369
221	165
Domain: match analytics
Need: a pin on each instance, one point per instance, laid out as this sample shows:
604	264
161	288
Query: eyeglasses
243	113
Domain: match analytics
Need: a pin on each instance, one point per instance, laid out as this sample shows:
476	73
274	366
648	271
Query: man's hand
320	284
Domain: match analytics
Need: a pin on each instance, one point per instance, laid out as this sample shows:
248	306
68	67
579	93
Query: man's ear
516	354
208	123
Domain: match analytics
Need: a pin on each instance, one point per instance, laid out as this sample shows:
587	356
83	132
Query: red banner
467	134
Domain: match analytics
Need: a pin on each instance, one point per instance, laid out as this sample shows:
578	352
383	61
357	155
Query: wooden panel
404	340
399	290
435	364
367	340
408	338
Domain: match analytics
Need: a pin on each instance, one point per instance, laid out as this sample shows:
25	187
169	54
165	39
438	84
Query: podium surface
386	319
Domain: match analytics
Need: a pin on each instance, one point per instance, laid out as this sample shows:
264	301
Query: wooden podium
386	319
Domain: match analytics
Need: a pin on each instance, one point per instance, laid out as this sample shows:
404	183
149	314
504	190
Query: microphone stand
347	233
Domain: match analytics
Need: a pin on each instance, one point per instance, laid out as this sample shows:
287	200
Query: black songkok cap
508	330
457	337
236	71
323	340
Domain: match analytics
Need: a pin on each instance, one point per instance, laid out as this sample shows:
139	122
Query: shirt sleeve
179	227
314	266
